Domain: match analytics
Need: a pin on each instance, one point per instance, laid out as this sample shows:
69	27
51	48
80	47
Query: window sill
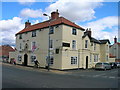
74	64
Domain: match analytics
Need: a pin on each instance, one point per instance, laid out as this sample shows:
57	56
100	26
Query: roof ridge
44	24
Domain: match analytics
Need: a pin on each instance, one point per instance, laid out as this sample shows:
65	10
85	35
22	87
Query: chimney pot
55	15
88	31
115	40
27	24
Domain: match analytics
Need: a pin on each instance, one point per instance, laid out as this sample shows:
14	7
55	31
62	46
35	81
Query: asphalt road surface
16	77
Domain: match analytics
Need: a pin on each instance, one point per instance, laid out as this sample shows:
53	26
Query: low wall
111	59
12	55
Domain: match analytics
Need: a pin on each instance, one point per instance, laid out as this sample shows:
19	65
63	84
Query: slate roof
91	38
95	40
104	41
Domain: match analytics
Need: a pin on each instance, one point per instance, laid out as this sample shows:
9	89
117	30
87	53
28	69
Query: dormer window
33	33
74	31
20	36
51	30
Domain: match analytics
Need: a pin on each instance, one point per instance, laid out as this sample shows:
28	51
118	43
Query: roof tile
60	20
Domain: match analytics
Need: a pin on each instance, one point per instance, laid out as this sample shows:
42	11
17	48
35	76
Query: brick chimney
55	15
27	24
88	31
115	40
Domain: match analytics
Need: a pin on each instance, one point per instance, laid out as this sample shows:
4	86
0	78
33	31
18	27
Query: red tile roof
111	56
5	49
60	20
118	43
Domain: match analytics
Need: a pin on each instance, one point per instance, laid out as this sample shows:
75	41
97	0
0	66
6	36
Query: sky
101	17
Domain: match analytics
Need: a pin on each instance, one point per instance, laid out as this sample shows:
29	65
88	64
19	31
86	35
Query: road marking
111	77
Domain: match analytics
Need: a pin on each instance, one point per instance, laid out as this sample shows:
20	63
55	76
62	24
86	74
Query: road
16	77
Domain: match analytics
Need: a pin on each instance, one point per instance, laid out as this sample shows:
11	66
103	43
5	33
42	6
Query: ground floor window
107	57
33	57
74	60
19	57
96	58
90	57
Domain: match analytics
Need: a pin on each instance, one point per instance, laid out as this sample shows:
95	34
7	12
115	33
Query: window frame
20	36
74	31
74	60
94	46
51	30
96	58
34	33
74	44
86	43
90	58
35	46
19	58
51	44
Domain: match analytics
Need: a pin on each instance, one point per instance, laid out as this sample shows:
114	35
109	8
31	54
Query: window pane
86	43
51	30
94	46
73	60
74	32
73	44
51	44
20	36
34	46
34	34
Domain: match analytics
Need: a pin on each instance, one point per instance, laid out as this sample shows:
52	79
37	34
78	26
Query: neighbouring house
115	50
71	46
4	52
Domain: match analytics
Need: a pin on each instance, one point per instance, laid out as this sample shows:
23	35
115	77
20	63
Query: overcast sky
101	17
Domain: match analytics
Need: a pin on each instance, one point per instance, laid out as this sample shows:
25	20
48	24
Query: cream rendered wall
95	52
104	50
41	40
68	52
90	52
86	52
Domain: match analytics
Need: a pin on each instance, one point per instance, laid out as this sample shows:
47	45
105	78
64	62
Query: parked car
118	64
113	65
102	65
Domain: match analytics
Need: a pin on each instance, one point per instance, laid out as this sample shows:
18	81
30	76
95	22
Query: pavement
37	69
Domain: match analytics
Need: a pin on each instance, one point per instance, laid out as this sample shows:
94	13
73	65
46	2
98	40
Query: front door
86	62
25	59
